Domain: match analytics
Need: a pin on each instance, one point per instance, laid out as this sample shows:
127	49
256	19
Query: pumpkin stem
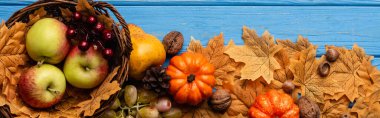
190	78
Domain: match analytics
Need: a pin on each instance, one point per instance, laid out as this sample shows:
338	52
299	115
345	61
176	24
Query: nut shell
324	69
220	101
332	55
288	86
173	42
308	108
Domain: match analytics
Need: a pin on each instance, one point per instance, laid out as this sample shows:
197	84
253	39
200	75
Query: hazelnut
332	55
173	42
324	69
288	86
220	100
308	108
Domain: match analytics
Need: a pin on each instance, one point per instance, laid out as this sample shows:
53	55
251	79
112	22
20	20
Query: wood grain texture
323	25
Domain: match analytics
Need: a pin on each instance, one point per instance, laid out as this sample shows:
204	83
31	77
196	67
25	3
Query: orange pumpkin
274	104
192	78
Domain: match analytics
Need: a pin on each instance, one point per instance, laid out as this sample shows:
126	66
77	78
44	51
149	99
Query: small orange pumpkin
192	78
274	104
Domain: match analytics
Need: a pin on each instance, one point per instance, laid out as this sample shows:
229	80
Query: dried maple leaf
306	77
345	71
368	107
246	90
284	73
335	108
237	107
37	15
85	8
257	54
202	111
12	55
214	53
66	13
293	49
103	92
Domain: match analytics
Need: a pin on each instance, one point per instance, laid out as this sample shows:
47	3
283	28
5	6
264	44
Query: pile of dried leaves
263	63
14	60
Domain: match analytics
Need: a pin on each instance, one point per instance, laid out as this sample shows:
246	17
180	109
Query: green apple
46	41
42	86
85	69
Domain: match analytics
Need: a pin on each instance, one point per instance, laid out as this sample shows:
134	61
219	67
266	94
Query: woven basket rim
124	44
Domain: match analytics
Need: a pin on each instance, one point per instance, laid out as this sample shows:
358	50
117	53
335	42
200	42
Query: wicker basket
122	46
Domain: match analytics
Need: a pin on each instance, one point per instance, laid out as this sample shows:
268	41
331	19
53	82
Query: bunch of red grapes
88	31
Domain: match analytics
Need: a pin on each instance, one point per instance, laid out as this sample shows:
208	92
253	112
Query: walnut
173	42
308	108
220	100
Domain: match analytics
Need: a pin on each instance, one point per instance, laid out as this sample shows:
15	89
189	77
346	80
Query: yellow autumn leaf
214	53
257	54
345	71
293	49
306	77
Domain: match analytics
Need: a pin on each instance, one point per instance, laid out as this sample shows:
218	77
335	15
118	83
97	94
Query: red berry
99	27
71	32
107	35
83	45
91	20
107	52
77	16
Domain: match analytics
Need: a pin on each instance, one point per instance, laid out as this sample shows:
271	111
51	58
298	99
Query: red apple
85	69
42	86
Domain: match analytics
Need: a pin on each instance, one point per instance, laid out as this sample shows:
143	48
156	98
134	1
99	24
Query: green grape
115	104
130	95
120	114
146	96
149	112
109	114
172	113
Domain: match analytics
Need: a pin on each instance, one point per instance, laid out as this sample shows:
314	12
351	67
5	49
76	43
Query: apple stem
54	91
137	106
39	63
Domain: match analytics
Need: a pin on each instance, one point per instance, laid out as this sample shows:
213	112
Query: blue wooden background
333	22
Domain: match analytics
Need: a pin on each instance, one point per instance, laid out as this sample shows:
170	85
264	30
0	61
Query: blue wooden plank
333	25
224	2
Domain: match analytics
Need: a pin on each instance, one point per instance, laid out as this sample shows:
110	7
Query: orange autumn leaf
368	107
237	107
66	13
103	92
214	53
12	56
335	108
294	49
202	111
257	54
85	8
306	77
284	73
37	15
345	71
